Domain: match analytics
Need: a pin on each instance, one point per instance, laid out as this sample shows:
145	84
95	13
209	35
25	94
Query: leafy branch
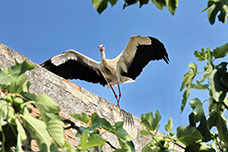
17	126
213	6
199	129
101	5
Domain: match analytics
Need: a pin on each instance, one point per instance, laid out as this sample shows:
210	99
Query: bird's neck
103	57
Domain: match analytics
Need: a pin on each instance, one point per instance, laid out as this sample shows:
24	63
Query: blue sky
42	29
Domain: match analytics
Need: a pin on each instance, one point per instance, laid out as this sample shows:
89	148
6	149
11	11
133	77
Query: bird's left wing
74	65
139	51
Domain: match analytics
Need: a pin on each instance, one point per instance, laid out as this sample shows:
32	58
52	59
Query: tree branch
72	125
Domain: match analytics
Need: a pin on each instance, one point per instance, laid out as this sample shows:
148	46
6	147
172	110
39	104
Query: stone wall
74	99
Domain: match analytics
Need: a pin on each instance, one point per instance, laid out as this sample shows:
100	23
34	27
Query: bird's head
101	48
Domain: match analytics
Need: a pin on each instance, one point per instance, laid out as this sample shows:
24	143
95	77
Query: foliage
200	127
94	130
17	127
213	7
101	5
157	142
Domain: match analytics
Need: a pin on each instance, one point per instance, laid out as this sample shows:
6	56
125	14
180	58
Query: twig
27	148
179	145
220	147
176	143
110	145
225	105
72	125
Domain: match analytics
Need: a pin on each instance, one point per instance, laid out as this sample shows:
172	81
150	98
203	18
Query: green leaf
199	147
120	132
212	12
101	5
96	140
26	93
17	84
68	147
145	132
28	96
5	113
207	73
143	2
218	89
185	97
9	133
49	112
147	148
172	5
214	7
21	136
147	120
221	51
126	146
159	3
112	2
9	74
218	119
100	122
223	14
198	116
157	119
84	139
199	86
150	122
93	141
204	55
209	4
82	128
53	148
81	117
200	55
188	77
37	130
188	135
56	131
197	107
169	125
123	137
129	2
46	104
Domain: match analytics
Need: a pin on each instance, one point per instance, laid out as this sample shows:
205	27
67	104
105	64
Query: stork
139	51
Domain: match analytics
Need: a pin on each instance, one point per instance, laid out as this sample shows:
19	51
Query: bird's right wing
139	51
74	65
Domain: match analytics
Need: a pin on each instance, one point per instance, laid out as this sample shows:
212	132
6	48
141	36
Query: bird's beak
101	48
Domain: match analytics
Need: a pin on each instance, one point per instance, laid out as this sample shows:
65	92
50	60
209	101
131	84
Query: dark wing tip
161	48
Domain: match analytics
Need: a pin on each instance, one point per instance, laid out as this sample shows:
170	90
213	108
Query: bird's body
139	51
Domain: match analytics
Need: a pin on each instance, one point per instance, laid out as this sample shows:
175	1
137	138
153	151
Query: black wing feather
144	54
72	69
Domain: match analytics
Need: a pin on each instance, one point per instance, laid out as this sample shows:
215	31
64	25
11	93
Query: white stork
139	51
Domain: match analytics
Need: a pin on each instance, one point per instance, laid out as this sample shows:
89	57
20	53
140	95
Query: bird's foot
118	105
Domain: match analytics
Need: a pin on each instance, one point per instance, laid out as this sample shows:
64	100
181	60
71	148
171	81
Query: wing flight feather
139	51
74	65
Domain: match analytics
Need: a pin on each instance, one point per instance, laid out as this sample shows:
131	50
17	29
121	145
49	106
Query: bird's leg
114	94
119	94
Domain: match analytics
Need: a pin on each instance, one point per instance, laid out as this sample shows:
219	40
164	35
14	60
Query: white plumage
139	51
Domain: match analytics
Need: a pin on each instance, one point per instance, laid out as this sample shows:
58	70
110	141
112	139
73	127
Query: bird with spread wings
139	51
